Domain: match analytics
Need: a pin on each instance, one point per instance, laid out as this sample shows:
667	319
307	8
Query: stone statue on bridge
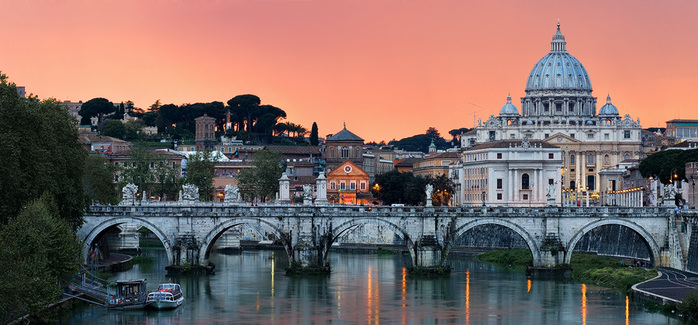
190	192
231	193
307	194
429	189
129	193
550	195
669	194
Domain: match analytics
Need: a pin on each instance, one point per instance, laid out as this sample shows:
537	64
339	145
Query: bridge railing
146	208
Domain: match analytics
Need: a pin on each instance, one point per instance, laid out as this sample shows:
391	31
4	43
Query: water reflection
250	288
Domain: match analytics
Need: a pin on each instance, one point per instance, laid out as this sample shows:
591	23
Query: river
251	288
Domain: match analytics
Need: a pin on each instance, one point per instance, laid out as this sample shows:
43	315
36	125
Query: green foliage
99	177
689	305
666	164
517	257
262	180
395	187
114	128
607	272
314	141
138	170
443	190
259	121
200	170
40	153
95	107
38	251
421	142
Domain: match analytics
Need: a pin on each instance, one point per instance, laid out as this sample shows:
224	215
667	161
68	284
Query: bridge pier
428	257
186	257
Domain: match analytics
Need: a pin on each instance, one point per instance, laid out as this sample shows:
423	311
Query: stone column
284	184
321	185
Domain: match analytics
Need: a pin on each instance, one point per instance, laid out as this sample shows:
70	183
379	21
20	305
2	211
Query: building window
499	155
551	156
352	186
333	186
590	135
590	160
345	152
363	186
547	135
525	197
626	134
524	182
626	157
499	196
499	183
492	135
342	186
606	160
572	135
357	153
551	181
573	185
331	152
571	159
606	136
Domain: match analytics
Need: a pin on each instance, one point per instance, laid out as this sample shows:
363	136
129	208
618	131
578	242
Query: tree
443	190
115	128
314	141
200	170
40	154
395	187
262	180
95	107
244	107
138	172
455	133
99	180
167	180
668	165
433	132
39	252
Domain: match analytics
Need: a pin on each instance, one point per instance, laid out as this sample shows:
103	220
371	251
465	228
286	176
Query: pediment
561	138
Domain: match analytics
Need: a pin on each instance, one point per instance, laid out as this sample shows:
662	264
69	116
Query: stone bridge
189	230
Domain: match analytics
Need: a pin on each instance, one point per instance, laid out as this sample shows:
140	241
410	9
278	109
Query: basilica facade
559	109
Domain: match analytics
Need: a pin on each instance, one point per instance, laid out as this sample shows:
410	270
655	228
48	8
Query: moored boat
130	294
168	296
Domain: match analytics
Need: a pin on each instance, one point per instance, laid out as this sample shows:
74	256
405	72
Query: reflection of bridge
188	231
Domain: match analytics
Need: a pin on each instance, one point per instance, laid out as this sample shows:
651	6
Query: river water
251	288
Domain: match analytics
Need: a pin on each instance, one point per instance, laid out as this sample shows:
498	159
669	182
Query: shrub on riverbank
586	268
607	272
515	258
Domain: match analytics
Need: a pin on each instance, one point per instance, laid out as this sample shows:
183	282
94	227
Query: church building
559	109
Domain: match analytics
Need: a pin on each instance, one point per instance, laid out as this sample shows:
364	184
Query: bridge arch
219	229
530	241
343	227
104	225
647	237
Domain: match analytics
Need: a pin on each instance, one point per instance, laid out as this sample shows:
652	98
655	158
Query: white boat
168	296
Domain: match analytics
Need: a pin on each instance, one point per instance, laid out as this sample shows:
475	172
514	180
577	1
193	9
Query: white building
559	109
508	173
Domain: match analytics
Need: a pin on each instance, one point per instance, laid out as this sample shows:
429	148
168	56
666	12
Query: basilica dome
558	69
608	109
509	108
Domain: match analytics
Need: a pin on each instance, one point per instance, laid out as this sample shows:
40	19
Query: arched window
357	153
525	182
626	157
345	152
331	152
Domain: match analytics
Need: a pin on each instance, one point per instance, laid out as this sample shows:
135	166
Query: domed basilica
559	109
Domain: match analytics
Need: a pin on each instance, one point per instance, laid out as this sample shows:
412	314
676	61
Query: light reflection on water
251	288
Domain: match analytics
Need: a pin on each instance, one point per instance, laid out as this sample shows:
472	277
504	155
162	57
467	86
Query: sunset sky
389	69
